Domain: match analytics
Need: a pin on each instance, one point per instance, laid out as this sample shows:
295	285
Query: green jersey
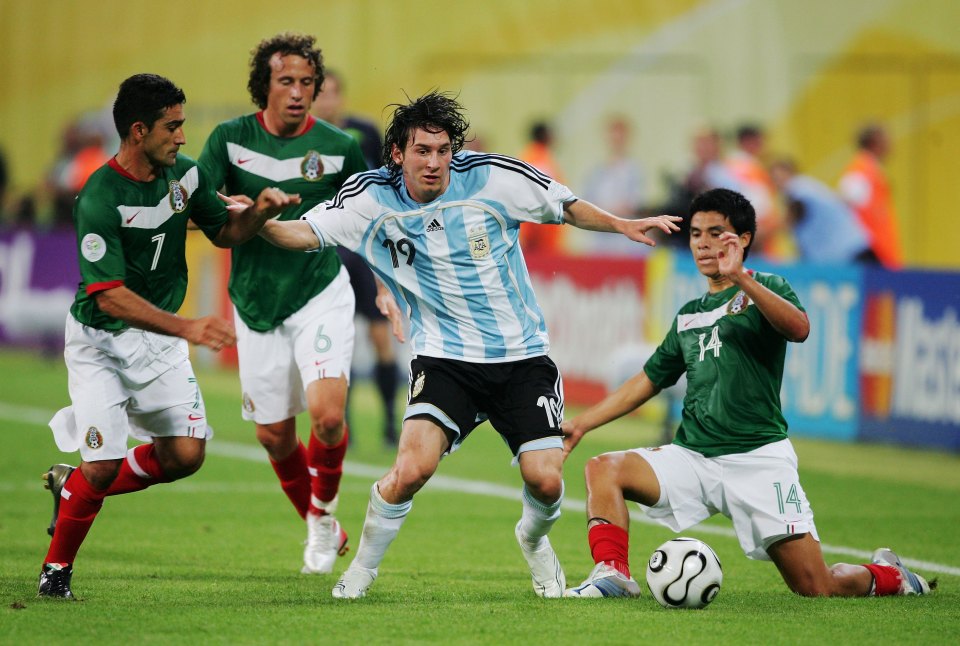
268	284
133	233
734	363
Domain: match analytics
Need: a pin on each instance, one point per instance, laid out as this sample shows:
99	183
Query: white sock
381	526
537	519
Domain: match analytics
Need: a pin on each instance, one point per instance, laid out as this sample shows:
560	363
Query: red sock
294	478
326	468
139	470
610	544
79	505
886	579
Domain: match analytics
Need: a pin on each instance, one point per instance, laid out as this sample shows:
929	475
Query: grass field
215	558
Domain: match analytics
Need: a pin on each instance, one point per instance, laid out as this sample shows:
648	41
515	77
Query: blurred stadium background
881	361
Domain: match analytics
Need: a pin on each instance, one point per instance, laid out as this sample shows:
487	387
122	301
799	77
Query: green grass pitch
215	558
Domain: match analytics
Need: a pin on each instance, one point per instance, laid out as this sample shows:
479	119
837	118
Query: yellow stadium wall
810	71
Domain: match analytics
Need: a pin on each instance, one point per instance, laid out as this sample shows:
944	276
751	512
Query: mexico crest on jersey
312	166
178	197
738	304
479	242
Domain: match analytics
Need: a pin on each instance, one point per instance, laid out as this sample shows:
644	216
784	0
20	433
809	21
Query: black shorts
522	399
364	287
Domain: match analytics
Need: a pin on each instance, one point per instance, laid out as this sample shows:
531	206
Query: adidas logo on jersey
434	226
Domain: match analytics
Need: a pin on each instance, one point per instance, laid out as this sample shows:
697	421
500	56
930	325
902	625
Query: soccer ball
684	573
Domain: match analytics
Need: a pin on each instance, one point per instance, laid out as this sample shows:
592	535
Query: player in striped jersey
731	454
126	349
293	312
440	227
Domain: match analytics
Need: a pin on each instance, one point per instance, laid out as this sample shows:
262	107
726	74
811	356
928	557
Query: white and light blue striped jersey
455	263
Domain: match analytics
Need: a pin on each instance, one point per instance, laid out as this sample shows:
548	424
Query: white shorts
759	491
126	383
315	342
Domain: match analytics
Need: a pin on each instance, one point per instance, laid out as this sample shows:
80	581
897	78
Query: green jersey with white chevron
133	233
734	363
268	284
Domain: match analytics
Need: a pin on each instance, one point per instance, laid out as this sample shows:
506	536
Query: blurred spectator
826	230
83	150
618	185
329	106
539	154
746	165
708	171
865	187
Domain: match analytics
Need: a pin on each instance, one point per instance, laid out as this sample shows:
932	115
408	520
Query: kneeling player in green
731	454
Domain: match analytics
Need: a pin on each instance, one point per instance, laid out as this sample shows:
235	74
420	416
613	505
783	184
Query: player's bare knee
547	489
328	426
602	468
102	473
182	459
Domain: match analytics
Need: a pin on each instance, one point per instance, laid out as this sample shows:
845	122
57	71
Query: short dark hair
144	97
287	43
733	206
433	112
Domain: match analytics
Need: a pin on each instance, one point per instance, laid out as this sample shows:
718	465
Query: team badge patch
738	304
93	247
94	438
418	385
312	166
479	243
248	403
178	197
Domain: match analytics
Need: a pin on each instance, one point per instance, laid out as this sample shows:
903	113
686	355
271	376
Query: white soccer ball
684	573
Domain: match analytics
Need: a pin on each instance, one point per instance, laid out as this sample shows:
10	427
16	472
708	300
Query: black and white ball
684	573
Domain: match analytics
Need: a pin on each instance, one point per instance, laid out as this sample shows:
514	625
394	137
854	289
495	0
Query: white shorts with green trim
759	491
126	383
315	342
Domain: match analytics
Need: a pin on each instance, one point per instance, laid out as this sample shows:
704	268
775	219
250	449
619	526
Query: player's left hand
636	229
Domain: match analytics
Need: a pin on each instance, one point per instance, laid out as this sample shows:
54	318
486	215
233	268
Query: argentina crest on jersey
311	168
178	196
479	242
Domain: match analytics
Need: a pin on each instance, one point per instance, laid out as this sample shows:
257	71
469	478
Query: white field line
15	413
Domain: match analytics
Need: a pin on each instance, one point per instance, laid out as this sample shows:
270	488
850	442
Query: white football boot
548	578
354	582
326	540
605	581
910	583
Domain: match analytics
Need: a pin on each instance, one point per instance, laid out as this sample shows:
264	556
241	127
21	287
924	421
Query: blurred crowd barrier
881	362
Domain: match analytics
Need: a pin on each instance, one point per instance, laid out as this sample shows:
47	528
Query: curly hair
287	43
733	206
144	97
433	112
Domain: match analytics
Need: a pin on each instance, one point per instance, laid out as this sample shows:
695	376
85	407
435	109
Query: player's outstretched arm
296	235
584	215
131	308
631	395
246	220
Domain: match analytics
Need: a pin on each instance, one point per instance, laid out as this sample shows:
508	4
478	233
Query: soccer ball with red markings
684	573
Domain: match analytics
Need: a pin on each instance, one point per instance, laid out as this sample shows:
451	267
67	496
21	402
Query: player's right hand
212	332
